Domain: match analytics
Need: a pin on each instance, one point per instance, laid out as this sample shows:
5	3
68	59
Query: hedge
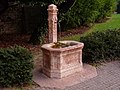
16	66
101	45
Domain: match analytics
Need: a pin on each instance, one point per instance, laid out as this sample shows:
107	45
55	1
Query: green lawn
73	37
112	23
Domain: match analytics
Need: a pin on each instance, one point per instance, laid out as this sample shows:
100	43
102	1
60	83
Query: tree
63	7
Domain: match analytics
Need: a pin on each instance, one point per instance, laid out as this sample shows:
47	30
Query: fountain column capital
52	7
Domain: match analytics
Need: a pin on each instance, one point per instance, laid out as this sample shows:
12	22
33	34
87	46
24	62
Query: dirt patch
7	40
74	31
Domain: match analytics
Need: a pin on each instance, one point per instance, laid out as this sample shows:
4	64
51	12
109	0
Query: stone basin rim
49	46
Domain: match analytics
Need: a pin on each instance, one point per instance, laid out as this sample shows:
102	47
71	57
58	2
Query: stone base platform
44	81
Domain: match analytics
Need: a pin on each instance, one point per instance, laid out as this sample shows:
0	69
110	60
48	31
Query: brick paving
108	78
84	74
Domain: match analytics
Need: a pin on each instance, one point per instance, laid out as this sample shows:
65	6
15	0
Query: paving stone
108	79
85	74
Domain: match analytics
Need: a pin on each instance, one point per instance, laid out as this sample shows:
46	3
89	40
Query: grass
73	37
112	23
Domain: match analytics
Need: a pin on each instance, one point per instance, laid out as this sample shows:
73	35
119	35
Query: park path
108	78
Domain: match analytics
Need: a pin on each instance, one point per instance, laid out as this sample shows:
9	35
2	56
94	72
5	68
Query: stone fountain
60	62
62	66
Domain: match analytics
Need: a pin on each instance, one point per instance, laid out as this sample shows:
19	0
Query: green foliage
112	23
42	31
101	45
86	12
36	23
38	36
15	66
107	7
41	2
83	12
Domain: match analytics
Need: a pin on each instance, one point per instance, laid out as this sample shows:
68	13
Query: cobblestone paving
108	79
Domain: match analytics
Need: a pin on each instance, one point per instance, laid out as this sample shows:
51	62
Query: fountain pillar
52	23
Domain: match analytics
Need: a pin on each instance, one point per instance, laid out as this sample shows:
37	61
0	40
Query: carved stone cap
52	7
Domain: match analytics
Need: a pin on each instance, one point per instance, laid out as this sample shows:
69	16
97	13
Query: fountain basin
61	62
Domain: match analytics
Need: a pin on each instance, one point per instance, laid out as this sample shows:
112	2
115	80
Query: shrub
36	23
38	36
15	66
107	7
86	12
101	45
83	12
39	2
